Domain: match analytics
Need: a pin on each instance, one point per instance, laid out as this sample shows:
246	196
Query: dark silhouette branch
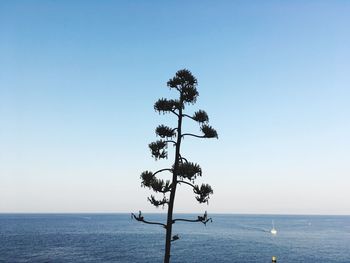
170	141
188	116
162	170
183	158
180	181
193	220
203	219
194	135
140	218
186	220
173	111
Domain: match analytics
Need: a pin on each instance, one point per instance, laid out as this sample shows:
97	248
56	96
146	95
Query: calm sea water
117	238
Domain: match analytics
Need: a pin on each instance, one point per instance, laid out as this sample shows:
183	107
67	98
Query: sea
118	238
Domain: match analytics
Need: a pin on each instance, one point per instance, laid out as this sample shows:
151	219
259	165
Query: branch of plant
163	170
183	158
173	111
180	181
188	116
204	221
140	218
170	141
194	135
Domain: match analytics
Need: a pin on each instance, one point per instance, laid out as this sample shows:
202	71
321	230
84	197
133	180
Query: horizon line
159	213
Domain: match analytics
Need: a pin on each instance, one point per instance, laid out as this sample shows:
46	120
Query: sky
78	80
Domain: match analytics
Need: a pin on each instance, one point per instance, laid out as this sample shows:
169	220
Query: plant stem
173	189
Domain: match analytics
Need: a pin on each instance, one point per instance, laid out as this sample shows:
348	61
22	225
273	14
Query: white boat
273	230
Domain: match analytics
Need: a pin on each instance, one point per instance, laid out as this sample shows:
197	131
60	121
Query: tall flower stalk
183	171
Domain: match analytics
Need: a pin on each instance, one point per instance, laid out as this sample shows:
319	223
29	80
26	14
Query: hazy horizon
78	81
177	213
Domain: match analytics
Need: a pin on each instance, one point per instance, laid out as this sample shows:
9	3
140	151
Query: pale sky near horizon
78	80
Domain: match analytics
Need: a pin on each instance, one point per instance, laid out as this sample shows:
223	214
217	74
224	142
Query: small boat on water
273	231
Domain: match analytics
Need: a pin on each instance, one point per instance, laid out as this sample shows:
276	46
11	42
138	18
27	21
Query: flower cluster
201	116
150	181
208	131
156	202
189	170
165	131
165	105
158	149
203	193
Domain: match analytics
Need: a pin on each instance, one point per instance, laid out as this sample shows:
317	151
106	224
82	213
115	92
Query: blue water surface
117	238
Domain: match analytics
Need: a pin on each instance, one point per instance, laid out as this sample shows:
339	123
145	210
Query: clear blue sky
78	80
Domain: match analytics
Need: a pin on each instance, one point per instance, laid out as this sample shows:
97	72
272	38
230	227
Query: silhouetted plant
183	171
